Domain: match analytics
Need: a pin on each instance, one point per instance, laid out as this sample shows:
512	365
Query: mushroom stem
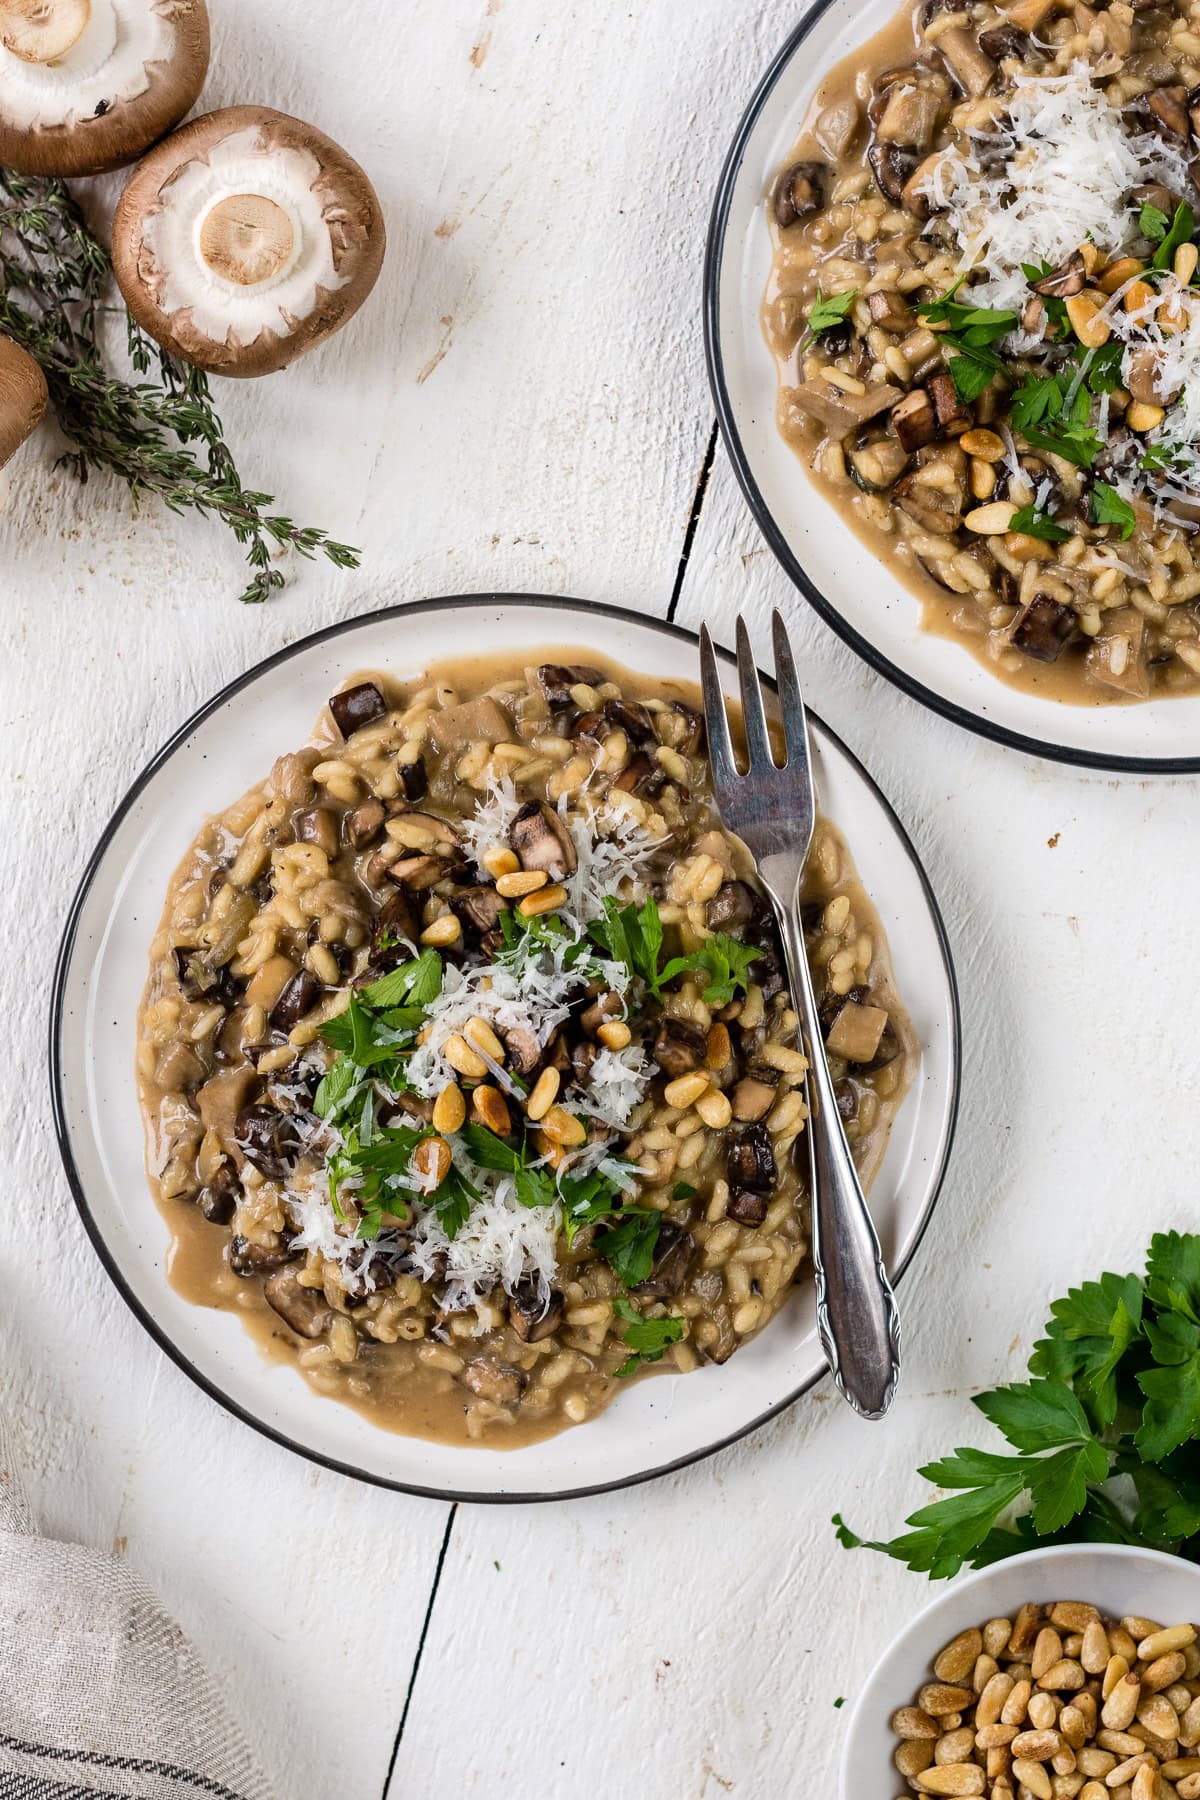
247	239
42	31
23	397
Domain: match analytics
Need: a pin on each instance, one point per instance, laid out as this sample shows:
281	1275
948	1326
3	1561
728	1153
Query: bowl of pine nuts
1069	1673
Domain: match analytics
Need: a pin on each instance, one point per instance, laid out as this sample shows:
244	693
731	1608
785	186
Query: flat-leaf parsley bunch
1104	1436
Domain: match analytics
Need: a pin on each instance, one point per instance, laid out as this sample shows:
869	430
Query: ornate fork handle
857	1318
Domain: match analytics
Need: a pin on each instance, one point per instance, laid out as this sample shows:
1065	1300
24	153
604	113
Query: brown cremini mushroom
23	398
245	239
90	85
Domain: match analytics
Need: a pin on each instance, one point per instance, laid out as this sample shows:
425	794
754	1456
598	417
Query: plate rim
57	1021
714	258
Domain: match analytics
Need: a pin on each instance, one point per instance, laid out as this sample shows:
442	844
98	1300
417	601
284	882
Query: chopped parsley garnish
1183	226
1152	223
1037	524
1107	507
646	1339
633	935
970	330
628	1247
1105	1431
830	310
534	1182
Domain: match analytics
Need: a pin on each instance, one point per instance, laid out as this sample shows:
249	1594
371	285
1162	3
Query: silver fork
773	811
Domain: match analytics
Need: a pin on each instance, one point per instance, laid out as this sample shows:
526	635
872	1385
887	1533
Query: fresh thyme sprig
53	274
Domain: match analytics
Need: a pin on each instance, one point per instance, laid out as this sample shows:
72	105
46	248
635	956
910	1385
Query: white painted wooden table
523	405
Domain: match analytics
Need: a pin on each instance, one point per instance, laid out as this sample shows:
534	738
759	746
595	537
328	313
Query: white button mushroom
89	85
23	401
246	238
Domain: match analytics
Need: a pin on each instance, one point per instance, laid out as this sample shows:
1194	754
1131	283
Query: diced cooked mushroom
430	826
522	1050
1043	628
501	1383
970	66
1033	315
542	841
875	466
732	907
535	1311
396	921
856	1032
632	718
590	725
305	1309
1166	112
891	165
418	872
889	310
200	981
673	1253
1117	657
845	412
798	191
837	127
747	1207
364	825
931	507
752	1160
482	720
1193	101
267	1139
220	1102
414	779
556	683
1152	193
478	908
291	777
582	1057
679	1046
318	826
1066	280
298	997
919	193
605	1006
913	420
909	117
946	403
641	776
357	706
1141	377
752	1099
246	1259
218	1201
1004	40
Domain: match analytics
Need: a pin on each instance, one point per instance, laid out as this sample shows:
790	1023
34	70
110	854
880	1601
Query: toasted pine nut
982	477
1118	273
985	445
1160	1642
686	1089
562	1127
1087	321
615	1033
717	1048
714	1108
1122	1703
545	1090
431	1159
481	1035
445	930
500	862
992	519
1142	416
542	900
487	1103
1095	1652
459	1054
449	1110
520	881
1186	258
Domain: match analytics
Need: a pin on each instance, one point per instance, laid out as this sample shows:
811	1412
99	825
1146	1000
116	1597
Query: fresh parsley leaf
989	322
1035	1415
1075	443
1037	398
972	370
1152	223
647	1339
1088	1333
1173	1273
488	1150
631	935
829	310
683	1190
1038	525
628	1247
726	962
335	1087
1107	507
971	330
415	983
452	1200
1101	367
1183	226
586	1199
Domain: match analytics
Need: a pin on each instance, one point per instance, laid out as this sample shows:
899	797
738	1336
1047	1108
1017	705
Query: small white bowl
1114	1577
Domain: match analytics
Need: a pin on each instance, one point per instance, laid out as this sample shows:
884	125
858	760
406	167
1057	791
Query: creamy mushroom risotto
984	312
468	1065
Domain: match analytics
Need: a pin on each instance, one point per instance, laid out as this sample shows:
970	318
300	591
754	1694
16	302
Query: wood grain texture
522	405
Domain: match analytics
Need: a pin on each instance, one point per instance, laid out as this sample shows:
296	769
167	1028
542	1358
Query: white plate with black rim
864	602
225	749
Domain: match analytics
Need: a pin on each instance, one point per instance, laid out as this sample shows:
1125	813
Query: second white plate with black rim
225	749
851	589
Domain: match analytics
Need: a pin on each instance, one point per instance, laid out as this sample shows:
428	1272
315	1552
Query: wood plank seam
412	1679
693	519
